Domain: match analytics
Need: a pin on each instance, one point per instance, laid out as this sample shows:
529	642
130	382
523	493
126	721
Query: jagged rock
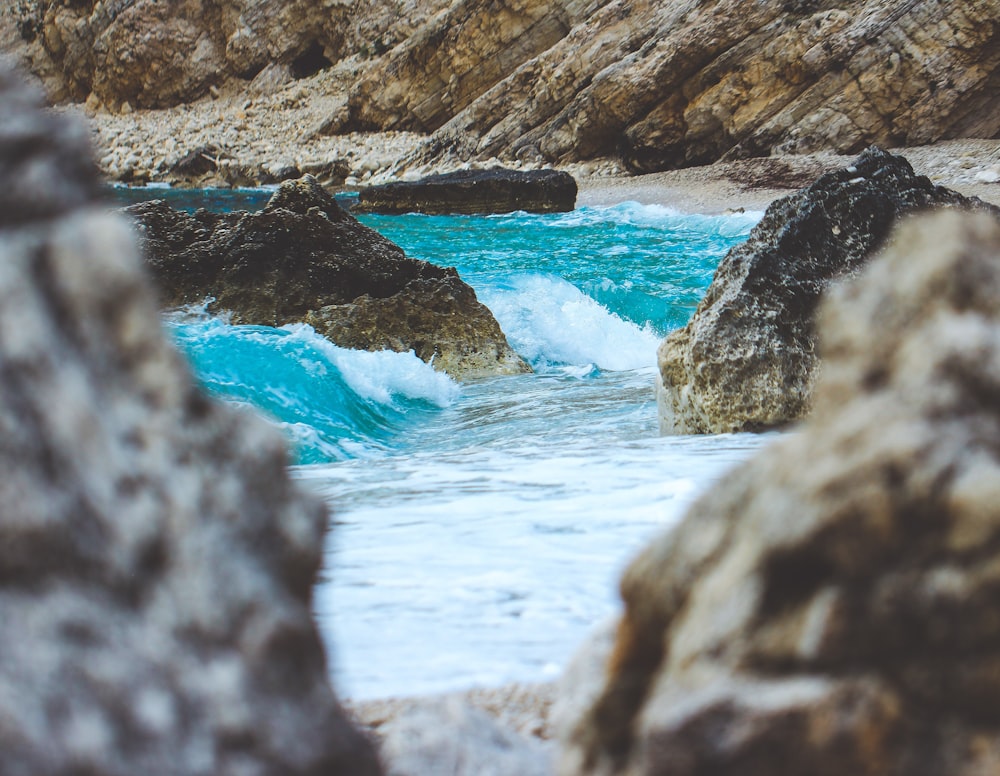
663	85
474	191
157	560
747	358
149	54
829	607
669	85
303	258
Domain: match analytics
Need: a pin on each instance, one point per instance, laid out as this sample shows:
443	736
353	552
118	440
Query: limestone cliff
676	84
661	85
156	53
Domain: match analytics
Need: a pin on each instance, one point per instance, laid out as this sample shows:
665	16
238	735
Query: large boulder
495	190
157	560
305	259
747	359
830	606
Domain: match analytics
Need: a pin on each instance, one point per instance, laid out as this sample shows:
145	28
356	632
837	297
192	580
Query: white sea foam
549	320
381	375
483	565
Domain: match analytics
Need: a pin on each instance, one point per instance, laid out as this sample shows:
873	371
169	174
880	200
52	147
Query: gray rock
157	561
830	607
747	359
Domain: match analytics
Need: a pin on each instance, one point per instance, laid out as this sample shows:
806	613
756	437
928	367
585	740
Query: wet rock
157	561
828	607
303	258
474	191
747	359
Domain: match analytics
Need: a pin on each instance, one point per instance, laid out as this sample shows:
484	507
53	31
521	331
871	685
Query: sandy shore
971	167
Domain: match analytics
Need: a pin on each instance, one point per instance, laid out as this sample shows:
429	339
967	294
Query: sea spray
332	403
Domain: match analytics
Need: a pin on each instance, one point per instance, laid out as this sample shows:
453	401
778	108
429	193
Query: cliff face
157	53
662	85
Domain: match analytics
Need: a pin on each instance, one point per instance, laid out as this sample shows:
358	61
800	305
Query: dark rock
747	358
157	561
830	606
196	163
474	191
303	255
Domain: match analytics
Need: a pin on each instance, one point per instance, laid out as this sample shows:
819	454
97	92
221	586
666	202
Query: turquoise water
581	296
479	529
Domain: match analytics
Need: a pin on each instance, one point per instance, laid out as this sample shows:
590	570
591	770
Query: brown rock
685	83
157	560
747	359
829	607
149	53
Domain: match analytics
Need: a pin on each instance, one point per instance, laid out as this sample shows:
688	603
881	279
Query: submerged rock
157	561
474	191
304	259
830	607
747	359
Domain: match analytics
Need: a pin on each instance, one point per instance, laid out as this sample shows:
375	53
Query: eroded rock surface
149	53
474	191
747	359
660	85
304	259
829	607
157	561
676	84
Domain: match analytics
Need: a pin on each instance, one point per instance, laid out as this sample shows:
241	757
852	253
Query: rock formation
829	607
662	85
157	561
474	191
676	84
747	358
152	54
304	259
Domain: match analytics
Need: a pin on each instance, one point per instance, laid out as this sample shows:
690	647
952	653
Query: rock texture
303	258
830	607
684	83
747	359
148	53
660	85
157	561
474	191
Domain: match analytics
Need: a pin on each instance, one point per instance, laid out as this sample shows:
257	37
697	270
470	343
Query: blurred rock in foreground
157	562
830	607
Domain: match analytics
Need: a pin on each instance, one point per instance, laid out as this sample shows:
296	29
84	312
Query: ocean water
479	529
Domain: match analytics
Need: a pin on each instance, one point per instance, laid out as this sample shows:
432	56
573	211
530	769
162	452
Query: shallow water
479	528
